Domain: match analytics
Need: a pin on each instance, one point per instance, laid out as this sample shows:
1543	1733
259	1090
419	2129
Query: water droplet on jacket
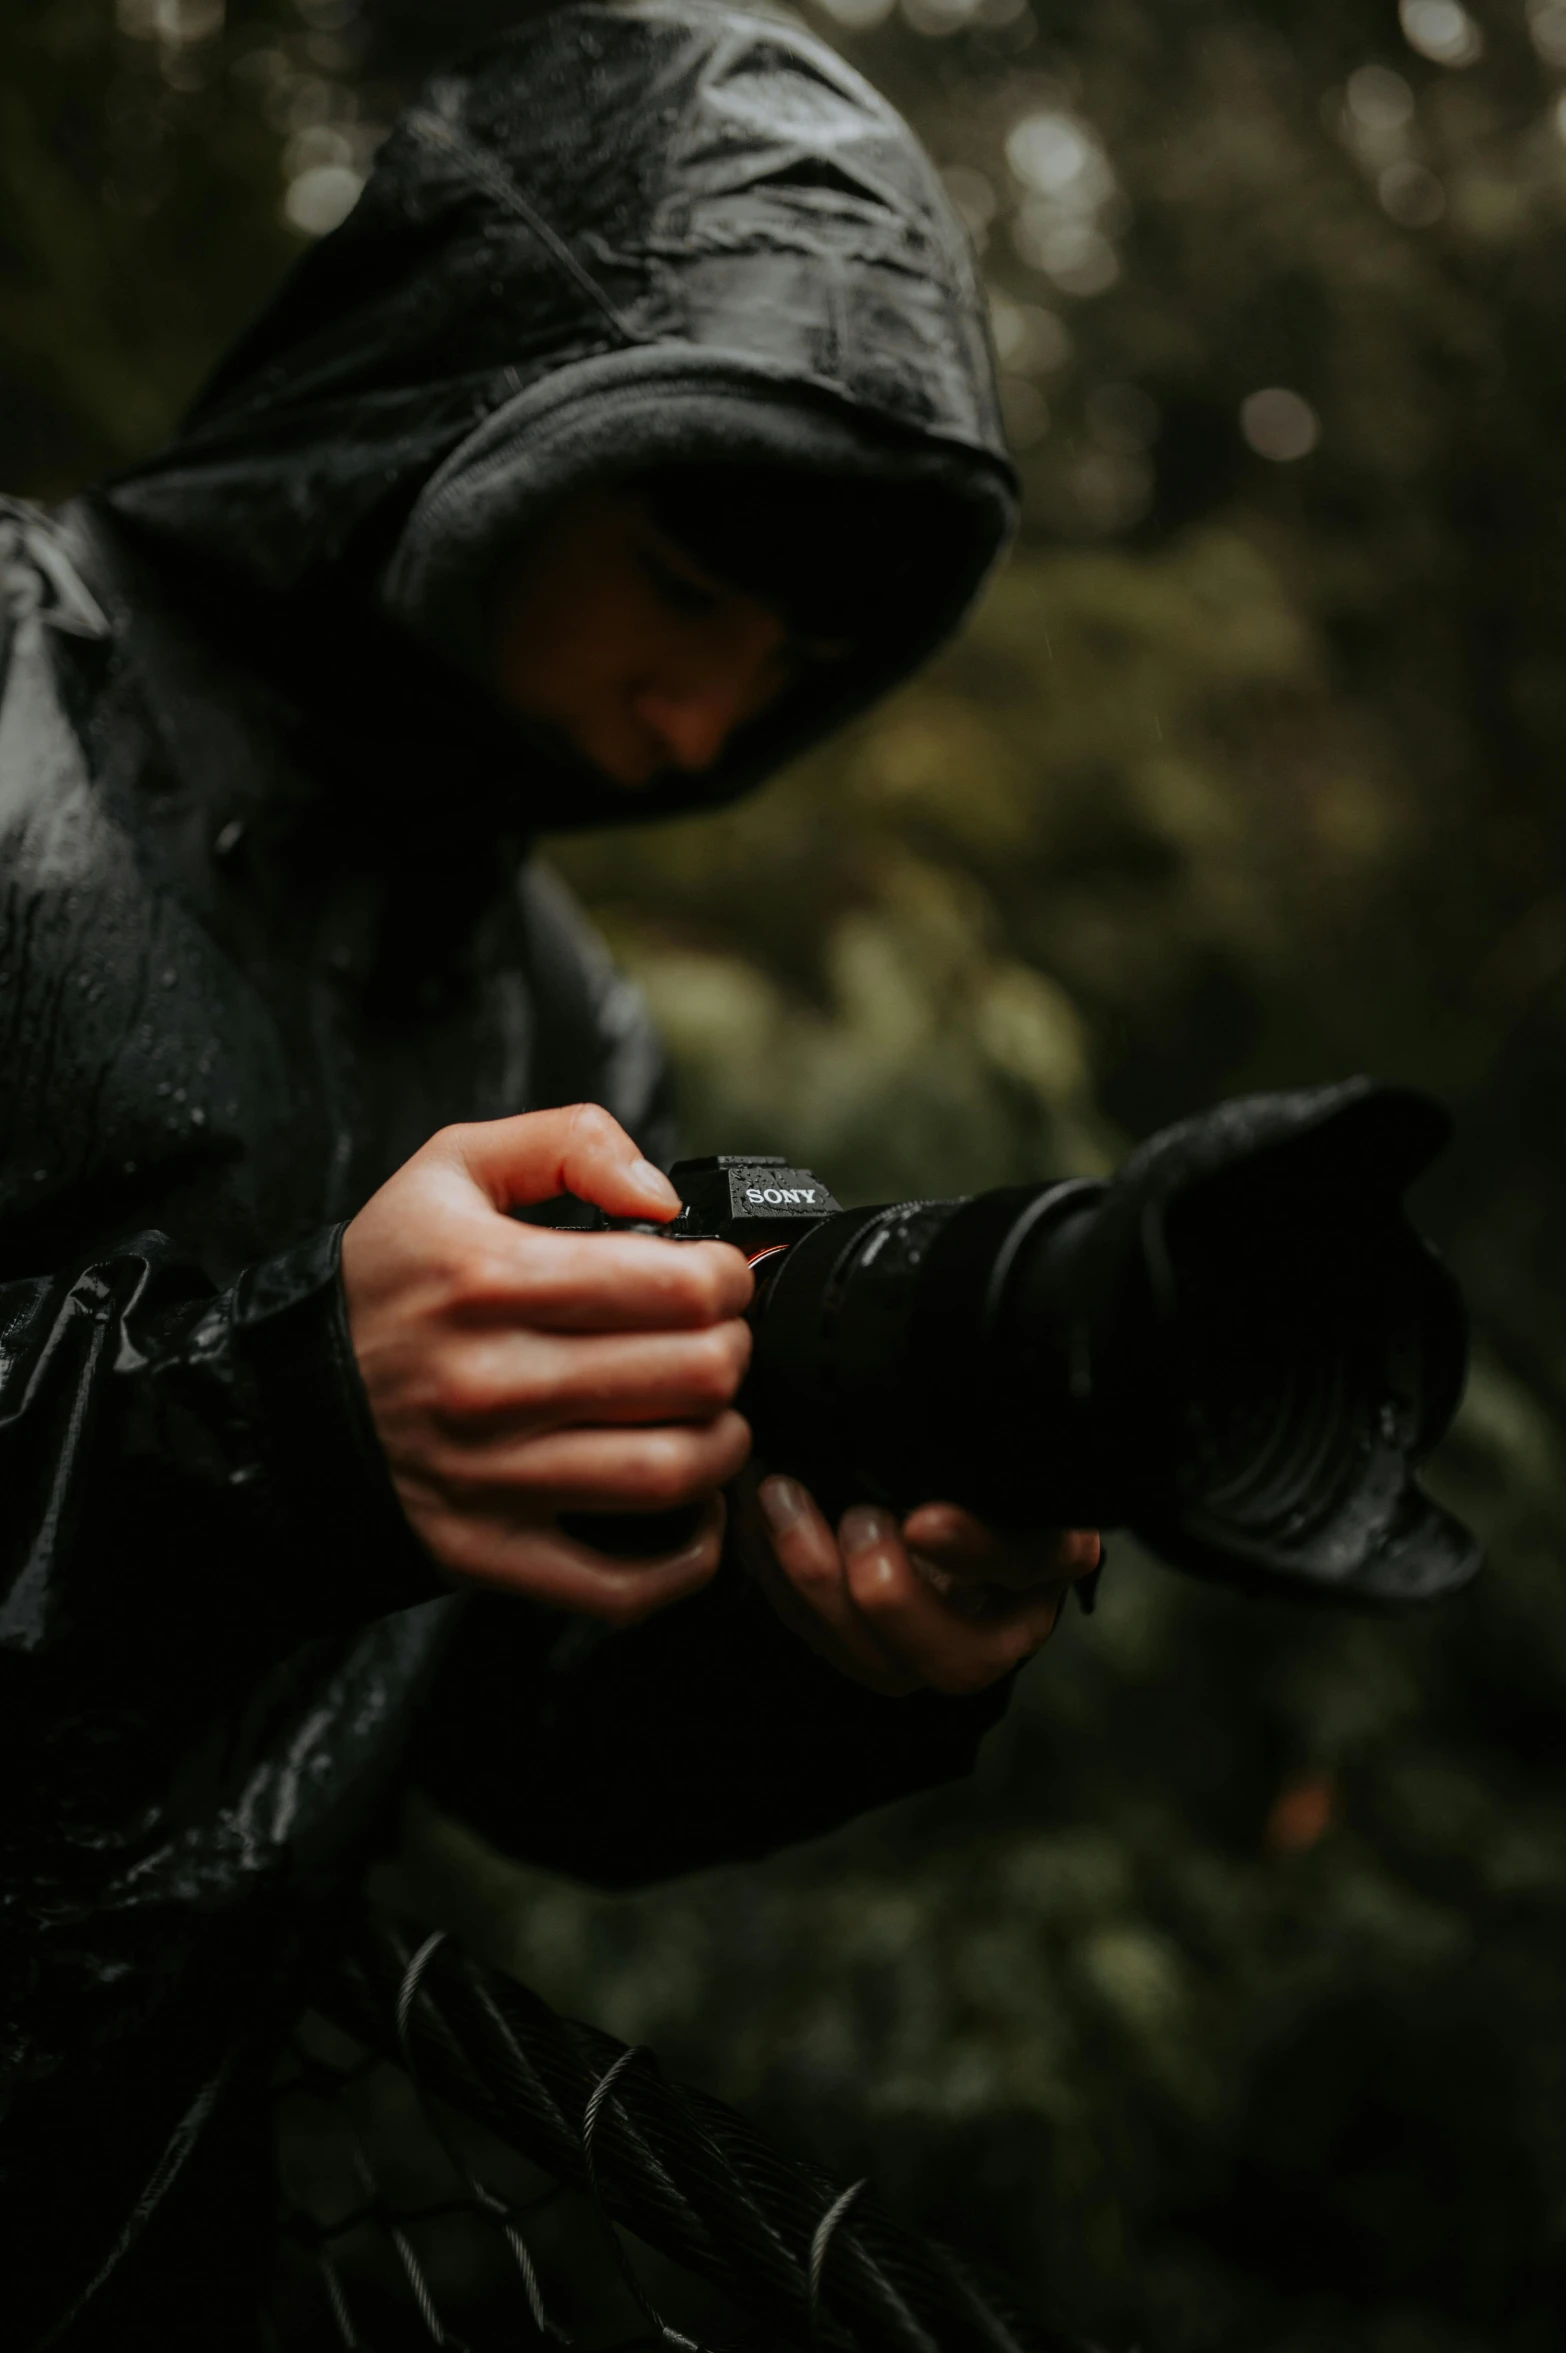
229	839
198	1117
163	1086
179	1094
39	1175
170	977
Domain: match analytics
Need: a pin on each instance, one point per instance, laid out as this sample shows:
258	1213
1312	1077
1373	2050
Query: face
613	641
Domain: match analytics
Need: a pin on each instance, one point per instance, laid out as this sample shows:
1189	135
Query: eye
682	590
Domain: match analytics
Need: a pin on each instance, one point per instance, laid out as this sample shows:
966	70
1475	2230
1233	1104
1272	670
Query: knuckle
471	1385
455	1393
627	1601
479	1395
623	1602
461	1545
669	1473
710	1286
711	1389
530	1398
447	1143
487	1278
877	1589
739	1284
731	1441
590	1123
460	1279
814	1574
714	1369
697	1286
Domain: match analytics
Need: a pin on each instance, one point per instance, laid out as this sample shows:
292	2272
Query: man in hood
507	515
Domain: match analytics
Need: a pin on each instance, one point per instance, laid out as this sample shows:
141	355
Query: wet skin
515	1373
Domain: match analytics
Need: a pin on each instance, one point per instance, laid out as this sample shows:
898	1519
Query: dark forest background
1228	2009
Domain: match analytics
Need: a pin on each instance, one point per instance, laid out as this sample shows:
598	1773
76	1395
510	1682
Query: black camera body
1237	1346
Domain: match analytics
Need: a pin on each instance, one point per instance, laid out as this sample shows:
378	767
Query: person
636	429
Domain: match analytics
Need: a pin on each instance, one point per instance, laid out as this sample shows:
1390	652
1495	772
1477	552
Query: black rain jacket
267	920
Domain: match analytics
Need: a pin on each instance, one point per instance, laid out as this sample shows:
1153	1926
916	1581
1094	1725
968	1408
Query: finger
619	1469
534	1381
524	1275
624	1282
917	1629
963	1546
803	1572
1061	1556
549	1566
580	1150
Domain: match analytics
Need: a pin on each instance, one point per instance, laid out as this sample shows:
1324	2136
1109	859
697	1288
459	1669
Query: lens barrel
1238	1347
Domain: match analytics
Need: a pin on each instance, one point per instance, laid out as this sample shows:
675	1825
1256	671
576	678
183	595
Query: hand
942	1603
515	1372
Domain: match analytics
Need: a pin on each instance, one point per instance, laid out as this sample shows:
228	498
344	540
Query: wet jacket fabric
269	917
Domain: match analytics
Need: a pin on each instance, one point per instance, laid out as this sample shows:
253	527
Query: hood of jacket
619	236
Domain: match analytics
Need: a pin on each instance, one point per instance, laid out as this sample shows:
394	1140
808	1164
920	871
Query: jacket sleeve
708	1734
188	1472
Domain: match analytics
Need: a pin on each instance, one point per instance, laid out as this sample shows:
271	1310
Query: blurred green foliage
1228	2009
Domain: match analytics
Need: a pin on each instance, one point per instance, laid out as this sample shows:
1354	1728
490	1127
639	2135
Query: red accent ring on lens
773	1250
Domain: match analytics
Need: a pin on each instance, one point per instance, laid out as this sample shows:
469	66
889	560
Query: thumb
582	1150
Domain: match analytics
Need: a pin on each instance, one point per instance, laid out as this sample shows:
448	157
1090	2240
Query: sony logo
776	1195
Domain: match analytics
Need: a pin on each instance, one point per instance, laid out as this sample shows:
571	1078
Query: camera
1238	1346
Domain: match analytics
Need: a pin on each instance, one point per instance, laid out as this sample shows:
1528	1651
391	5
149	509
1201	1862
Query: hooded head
620	242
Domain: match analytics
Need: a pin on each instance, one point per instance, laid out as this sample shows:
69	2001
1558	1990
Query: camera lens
1285	1389
1238	1347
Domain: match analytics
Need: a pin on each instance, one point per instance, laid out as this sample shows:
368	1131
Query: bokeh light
1028	338
937	18
1379	99
176	23
857	16
1279	424
1072	202
1441	30
1079	257
319	198
1547	25
1060	159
